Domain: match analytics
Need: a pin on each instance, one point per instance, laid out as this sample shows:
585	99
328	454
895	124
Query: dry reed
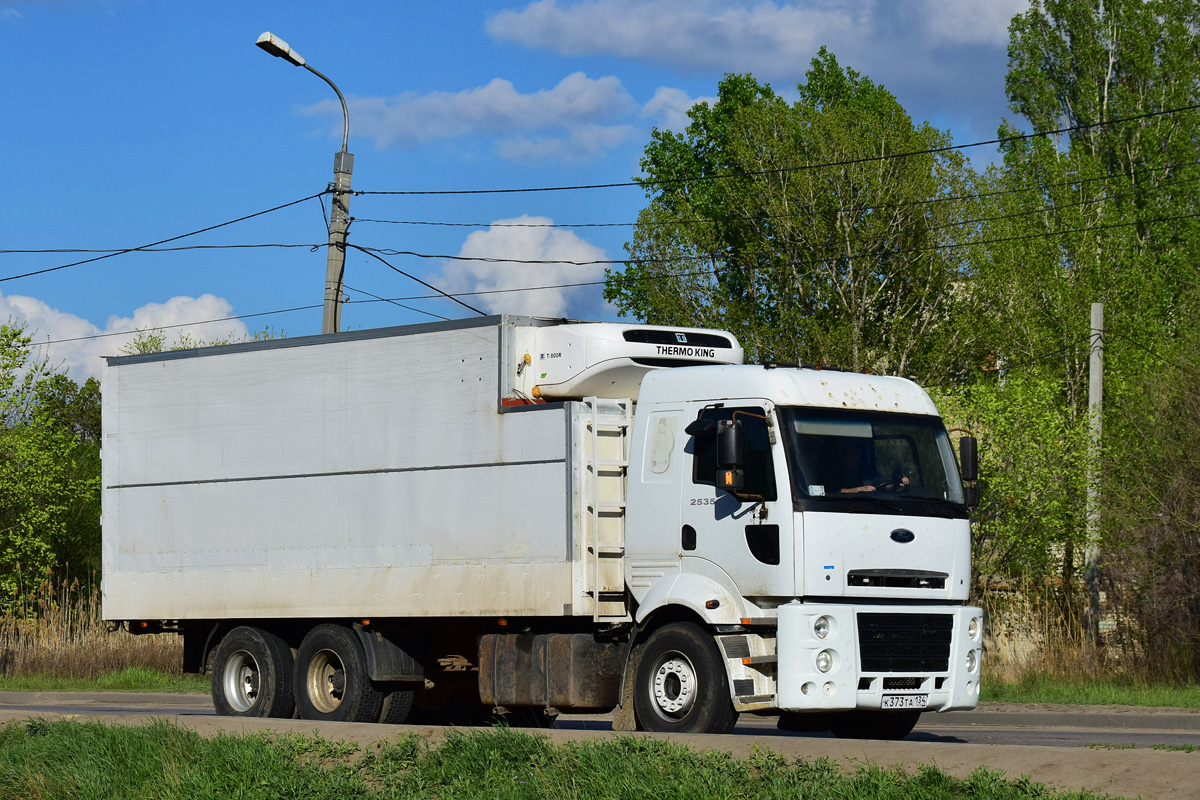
56	630
1038	630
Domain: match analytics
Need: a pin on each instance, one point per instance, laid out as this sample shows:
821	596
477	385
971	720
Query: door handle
687	537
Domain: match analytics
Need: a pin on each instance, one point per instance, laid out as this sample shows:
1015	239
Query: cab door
749	537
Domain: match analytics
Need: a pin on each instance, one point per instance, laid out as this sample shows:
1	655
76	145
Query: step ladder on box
610	425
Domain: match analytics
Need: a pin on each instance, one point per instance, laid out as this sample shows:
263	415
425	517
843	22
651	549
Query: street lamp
339	218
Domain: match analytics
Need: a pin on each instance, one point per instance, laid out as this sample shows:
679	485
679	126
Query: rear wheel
681	683
889	725
252	675
331	681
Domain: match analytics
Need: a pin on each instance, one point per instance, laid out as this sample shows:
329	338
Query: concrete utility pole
1091	574
339	218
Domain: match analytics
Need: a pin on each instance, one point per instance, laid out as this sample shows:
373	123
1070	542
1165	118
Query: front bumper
908	654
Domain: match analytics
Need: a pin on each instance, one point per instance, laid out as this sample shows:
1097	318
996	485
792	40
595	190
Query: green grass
61	759
1044	688
130	679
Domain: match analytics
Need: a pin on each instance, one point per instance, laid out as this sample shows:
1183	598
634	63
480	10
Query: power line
503	224
709	256
373	255
151	249
161	241
177	325
643	182
393	302
513	290
819	212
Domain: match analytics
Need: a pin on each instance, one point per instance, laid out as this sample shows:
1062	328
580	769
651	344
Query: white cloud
583	143
669	108
11	15
761	37
578	103
504	240
83	358
965	22
766	38
942	58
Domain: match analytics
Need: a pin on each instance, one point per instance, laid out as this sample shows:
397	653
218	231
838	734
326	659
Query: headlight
825	660
972	661
973	628
821	627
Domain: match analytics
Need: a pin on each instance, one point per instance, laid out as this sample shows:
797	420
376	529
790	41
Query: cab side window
758	467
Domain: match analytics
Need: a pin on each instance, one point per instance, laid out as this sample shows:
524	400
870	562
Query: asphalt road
1068	747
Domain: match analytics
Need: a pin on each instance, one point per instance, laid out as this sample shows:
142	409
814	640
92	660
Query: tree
1152	535
1105	212
794	227
49	467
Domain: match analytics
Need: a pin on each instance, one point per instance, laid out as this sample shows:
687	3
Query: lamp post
339	218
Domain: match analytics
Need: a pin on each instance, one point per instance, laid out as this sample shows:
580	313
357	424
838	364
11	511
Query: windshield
836	455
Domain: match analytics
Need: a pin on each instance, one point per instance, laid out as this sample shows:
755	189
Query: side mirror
968	457
731	450
972	496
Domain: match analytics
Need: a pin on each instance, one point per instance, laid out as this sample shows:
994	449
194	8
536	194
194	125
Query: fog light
970	687
973	628
972	661
825	660
821	627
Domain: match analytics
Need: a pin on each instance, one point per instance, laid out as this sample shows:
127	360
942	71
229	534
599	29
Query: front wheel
252	675
887	725
682	686
331	680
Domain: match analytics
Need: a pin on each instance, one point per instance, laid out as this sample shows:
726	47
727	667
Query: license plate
905	701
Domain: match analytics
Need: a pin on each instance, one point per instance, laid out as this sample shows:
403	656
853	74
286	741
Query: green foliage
833	266
46	759
49	469
1045	687
1105	213
129	679
154	340
1152	530
778	221
1034	456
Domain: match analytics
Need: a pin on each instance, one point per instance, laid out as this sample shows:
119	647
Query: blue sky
129	121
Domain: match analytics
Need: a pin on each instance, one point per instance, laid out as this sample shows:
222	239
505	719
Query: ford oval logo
903	535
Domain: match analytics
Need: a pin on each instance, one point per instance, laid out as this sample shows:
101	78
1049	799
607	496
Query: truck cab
836	575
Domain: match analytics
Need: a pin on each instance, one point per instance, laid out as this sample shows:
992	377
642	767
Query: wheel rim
673	685
326	681
241	681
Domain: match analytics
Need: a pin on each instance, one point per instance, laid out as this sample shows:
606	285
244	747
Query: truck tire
331	681
397	704
682	686
885	725
252	675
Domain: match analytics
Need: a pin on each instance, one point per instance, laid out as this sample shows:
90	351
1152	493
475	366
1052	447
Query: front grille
897	579
904	642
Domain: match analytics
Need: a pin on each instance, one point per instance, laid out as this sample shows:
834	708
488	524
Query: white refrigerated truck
529	516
